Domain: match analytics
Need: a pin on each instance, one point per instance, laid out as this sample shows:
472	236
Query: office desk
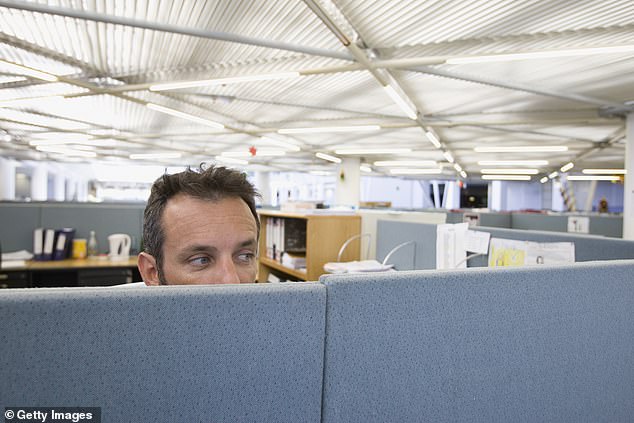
86	272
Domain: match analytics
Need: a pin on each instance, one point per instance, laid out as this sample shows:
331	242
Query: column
59	186
628	191
348	186
495	195
7	179
39	183
263	185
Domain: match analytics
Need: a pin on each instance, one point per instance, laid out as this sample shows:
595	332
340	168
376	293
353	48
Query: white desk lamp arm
349	240
399	246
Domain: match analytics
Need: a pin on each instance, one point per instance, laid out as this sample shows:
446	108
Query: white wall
403	193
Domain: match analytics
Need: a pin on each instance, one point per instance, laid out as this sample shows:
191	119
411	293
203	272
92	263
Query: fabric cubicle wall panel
167	354
390	234
548	344
104	219
17	222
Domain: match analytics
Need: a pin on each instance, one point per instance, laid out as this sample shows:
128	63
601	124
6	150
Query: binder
38	243
63	243
49	240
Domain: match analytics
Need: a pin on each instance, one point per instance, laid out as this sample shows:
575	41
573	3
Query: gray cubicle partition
606	225
231	353
587	247
494	219
18	220
539	344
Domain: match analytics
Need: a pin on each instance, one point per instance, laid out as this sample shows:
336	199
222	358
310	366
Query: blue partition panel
547	344
390	234
611	226
167	354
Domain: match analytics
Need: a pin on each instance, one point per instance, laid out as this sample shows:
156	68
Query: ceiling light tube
593	178
415	171
365	168
184	115
513	163
368	151
231	160
222	81
66	151
540	54
284	144
155	156
514	171
411	163
553	175
567	167
410	111
457	167
28	71
604	171
463	174
326	129
448	156
433	138
522	149
260	153
506	177
328	157
544	180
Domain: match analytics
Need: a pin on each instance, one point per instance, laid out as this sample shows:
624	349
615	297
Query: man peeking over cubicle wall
200	227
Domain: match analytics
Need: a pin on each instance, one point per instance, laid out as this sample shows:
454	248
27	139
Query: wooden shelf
325	234
300	274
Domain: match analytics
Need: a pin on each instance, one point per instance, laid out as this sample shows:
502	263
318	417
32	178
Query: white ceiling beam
175	29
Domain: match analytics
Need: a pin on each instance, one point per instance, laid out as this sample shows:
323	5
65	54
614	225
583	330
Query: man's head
200	227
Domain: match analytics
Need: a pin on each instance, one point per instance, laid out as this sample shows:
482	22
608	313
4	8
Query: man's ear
148	269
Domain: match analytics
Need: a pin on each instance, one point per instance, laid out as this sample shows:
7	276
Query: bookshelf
324	234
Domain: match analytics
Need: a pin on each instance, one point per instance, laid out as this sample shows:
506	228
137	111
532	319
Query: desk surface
77	264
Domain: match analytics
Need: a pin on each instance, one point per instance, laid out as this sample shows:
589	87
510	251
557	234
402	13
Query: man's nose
228	270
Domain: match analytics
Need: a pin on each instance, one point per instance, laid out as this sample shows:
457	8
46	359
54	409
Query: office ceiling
321	64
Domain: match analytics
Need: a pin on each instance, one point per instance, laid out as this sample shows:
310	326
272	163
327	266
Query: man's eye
246	257
200	261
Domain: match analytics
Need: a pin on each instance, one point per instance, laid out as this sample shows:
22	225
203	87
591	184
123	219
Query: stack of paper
15	259
293	261
357	267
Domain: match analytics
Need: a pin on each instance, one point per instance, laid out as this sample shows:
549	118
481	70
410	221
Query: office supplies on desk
119	246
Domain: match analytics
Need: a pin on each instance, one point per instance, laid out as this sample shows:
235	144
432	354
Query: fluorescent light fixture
231	160
222	81
416	171
74	136
553	175
522	149
448	156
544	180
593	178
184	115
540	54
433	138
457	167
259	153
28	71
567	167
326	129
515	171
368	151
463	174
10	79
604	171
155	156
365	168
506	177
513	163
65	151
410	112
328	157
28	101
411	163
279	143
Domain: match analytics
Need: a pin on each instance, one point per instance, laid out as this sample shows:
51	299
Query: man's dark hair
213	183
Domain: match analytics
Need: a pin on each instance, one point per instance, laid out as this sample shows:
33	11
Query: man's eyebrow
196	248
248	243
